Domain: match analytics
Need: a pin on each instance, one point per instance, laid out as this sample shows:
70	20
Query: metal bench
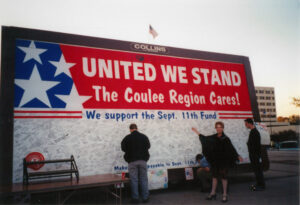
52	173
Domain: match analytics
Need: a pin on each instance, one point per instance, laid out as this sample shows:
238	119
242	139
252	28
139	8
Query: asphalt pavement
282	180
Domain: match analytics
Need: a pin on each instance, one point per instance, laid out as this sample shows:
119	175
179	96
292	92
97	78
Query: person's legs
225	184
199	175
133	175
204	176
214	172
257	168
214	186
224	173
143	179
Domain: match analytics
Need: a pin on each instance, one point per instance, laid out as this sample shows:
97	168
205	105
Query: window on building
256	91
261	103
273	98
267	92
272	92
269	104
261	91
261	97
268	98
269	116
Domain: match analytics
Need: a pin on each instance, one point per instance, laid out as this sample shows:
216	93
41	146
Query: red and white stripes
235	114
25	114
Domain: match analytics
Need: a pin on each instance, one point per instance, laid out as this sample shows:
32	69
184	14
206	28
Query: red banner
120	79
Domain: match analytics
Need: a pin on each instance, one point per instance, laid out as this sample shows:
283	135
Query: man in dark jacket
254	148
136	145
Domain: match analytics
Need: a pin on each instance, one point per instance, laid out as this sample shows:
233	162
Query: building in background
266	103
267	111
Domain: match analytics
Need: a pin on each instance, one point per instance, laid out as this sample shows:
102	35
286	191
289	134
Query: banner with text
72	78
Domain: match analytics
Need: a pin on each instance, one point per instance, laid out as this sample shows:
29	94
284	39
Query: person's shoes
225	198
252	187
134	201
257	188
211	197
145	200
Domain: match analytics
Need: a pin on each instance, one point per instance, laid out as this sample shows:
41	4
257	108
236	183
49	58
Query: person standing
136	146
254	148
221	155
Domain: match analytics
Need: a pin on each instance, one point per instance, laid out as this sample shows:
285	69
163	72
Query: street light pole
270	125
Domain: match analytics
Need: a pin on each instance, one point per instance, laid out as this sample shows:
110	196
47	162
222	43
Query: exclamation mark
237	98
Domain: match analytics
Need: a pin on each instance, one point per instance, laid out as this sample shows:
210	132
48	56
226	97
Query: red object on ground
35	156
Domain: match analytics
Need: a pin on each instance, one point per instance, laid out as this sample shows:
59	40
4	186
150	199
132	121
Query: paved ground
282	186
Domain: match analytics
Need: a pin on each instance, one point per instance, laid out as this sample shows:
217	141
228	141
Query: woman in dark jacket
221	155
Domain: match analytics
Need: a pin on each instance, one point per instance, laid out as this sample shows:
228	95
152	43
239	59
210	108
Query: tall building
266	103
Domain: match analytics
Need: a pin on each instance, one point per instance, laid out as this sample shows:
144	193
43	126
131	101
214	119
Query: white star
62	66
35	87
74	100
32	52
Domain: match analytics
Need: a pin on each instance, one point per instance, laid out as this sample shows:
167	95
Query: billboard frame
9	36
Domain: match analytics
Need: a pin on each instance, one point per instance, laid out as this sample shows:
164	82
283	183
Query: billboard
76	95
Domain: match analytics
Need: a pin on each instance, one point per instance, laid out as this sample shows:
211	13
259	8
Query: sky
267	31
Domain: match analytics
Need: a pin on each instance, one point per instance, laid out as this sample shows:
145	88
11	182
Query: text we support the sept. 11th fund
146	115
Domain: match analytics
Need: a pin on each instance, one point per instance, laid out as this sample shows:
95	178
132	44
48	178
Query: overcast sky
267	31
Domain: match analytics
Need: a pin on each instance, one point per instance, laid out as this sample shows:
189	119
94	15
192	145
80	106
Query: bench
50	173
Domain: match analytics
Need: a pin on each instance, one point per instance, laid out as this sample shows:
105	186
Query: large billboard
76	95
